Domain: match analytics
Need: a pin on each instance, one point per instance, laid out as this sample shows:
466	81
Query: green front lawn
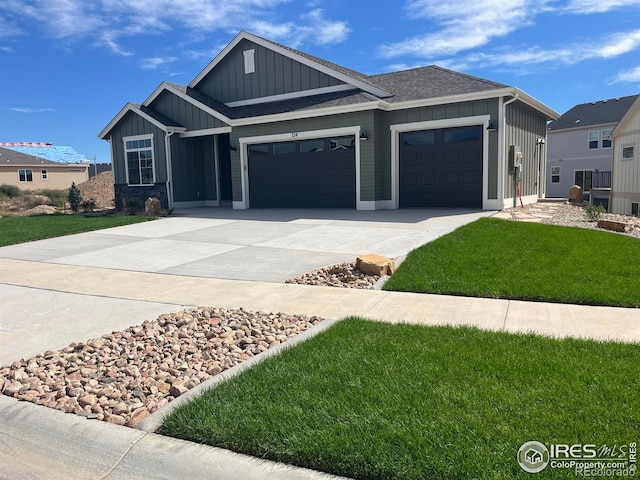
25	229
372	400
526	261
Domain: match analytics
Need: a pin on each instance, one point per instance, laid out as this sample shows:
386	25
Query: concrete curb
154	421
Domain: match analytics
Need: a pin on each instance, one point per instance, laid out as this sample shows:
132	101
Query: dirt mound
100	188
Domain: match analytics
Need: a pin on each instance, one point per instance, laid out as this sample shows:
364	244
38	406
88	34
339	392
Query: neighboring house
580	149
625	187
98	168
264	125
29	172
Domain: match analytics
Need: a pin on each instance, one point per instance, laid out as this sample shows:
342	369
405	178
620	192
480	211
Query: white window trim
284	137
153	158
25	170
629	145
396	130
589	140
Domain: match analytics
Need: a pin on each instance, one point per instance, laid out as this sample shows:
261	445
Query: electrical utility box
515	160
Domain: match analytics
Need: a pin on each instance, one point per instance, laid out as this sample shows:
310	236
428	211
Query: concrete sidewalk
82	302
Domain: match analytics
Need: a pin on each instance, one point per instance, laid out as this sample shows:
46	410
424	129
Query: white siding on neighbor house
569	150
625	182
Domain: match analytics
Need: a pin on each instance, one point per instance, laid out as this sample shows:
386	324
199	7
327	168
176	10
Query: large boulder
575	194
152	207
373	264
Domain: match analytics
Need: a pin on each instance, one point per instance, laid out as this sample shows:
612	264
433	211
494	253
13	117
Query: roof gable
230	62
602	112
156	118
632	111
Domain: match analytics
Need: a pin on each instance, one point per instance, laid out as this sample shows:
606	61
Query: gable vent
249	61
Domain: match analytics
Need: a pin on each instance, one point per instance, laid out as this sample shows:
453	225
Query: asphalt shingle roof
594	113
430	82
8	156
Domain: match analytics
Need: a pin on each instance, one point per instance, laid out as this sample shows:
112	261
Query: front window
25	175
594	139
139	154
606	138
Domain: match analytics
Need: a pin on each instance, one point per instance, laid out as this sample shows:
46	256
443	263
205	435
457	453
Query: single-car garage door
441	168
310	173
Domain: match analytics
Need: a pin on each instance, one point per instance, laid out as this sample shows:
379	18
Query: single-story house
580	149
30	172
625	185
265	125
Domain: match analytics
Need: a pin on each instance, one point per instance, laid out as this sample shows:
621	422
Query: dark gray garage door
441	168
315	173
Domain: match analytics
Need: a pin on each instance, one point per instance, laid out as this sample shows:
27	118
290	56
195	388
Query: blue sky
67	67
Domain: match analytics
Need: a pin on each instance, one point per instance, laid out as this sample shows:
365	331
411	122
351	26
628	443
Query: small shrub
594	213
10	191
57	197
88	205
131	205
74	198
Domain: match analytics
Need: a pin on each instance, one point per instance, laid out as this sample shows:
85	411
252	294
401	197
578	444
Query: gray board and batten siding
194	169
184	113
523	128
274	74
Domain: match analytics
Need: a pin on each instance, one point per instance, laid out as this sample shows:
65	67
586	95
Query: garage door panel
448	172
307	178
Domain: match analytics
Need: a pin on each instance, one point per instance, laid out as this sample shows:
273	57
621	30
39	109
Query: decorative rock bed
343	275
124	376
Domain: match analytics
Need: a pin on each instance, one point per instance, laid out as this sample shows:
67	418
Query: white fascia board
378	92
320	112
292	95
205	132
467	97
170	88
130	107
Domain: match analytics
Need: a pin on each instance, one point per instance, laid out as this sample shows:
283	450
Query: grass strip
37	227
371	400
526	261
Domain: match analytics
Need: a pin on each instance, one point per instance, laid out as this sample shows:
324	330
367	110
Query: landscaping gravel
124	376
572	215
343	275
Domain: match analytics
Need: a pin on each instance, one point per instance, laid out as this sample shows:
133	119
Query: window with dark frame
583	178
43	174
25	175
627	153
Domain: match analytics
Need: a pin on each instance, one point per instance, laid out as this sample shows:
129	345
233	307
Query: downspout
505	147
169	182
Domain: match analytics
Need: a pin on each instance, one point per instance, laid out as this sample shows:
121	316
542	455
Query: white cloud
465	28
30	110
597	6
153	63
604	48
4	48
628	76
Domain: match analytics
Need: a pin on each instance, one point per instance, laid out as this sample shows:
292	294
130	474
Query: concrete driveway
259	245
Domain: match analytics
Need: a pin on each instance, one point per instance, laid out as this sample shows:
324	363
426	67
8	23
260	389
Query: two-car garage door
441	168
437	168
310	173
